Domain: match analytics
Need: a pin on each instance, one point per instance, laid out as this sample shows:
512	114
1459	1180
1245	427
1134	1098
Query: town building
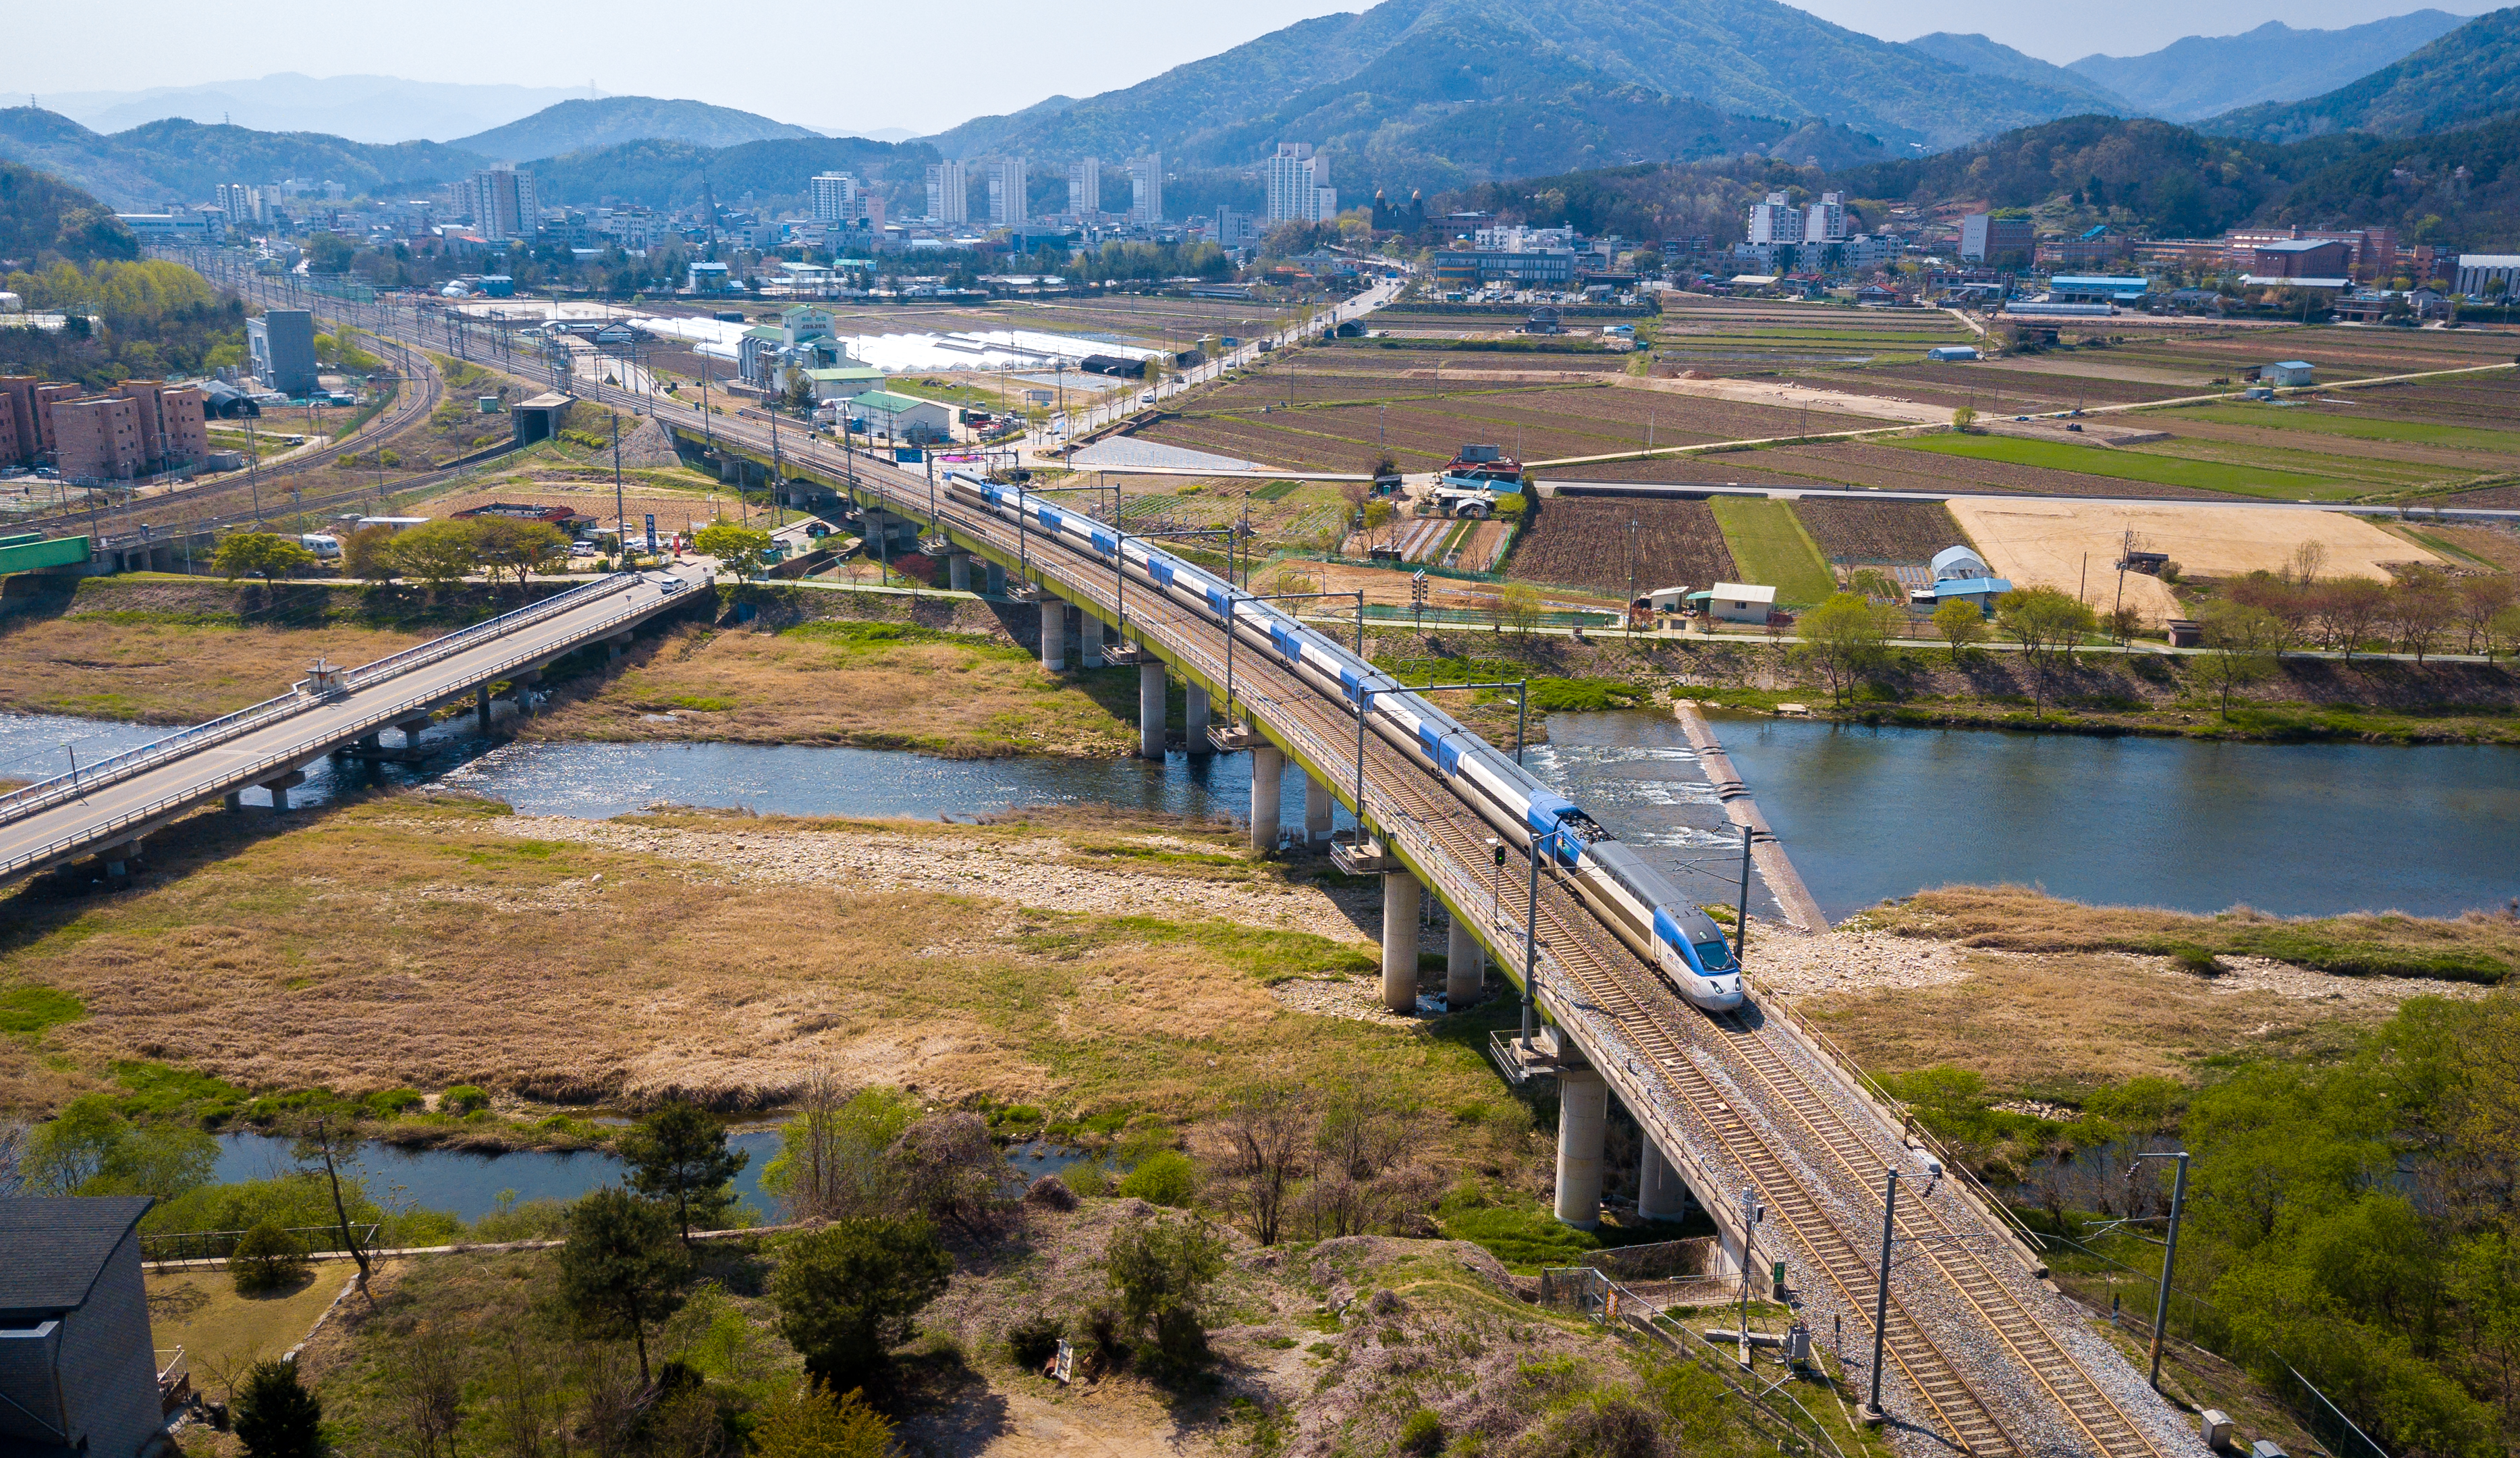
206	225
709	278
835	198
1299	185
1987	239
949	194
1826	220
1237	228
2301	258
1738	602
281	342
1146	190
1085	188
79	1372
1007	181
2478	273
768	357
502	203
1532	269
243	203
2288	372
1775	222
2066	288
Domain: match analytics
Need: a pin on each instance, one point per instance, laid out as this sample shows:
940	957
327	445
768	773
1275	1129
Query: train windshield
1714	956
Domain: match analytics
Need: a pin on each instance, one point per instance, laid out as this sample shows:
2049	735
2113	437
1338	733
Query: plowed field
1878	531
1587	542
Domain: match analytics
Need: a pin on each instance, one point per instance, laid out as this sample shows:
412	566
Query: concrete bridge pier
1661	1195
1268	766
1053	634
410	729
1195	716
1583	1118
232	802
957	572
612	646
1316	814
481	708
1151	709
1089	640
997	580
118	858
281	787
1465	967
1400	911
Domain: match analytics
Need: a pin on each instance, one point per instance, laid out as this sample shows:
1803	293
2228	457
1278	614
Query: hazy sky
924	67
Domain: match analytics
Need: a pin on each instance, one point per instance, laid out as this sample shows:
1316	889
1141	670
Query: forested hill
144	167
2414	186
673	174
2175	181
43	219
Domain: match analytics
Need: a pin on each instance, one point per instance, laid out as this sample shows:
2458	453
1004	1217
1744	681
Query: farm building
1945	353
1981	591
1957	563
2285	372
901	418
1738	602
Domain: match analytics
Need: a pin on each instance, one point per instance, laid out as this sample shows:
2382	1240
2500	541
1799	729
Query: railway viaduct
1782	1143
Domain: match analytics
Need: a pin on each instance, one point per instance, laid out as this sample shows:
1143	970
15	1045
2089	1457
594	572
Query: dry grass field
878	685
166	672
424	940
222	1332
1878	531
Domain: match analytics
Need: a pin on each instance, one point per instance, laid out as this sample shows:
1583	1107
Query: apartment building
1299	185
835	198
1085	188
949	194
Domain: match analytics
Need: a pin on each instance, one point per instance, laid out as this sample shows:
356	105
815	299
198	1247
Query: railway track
1957	1254
1591	974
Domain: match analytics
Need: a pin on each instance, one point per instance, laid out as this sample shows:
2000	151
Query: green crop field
1771	548
2134	465
2363	428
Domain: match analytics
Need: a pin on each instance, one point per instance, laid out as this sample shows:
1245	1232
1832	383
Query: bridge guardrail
240	777
44	793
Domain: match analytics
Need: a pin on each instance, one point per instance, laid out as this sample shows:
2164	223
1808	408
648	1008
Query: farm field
2354	421
2140	464
1587	542
1872	466
1771	548
2055	543
1879	531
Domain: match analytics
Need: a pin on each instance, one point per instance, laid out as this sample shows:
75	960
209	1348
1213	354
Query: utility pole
1741	908
1871	1411
2169	1257
620	518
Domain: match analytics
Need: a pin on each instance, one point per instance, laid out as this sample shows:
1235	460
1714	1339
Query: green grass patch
1276	490
157	1090
2360	427
1268	955
1525	1237
2121	464
1583	695
702	703
30	1009
1770	546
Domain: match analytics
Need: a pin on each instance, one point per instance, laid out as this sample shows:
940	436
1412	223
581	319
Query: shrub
392	1103
1165	1177
276	1416
2196	959
266	1258
464	1098
1160	1270
809	1422
1034	1339
1423	1434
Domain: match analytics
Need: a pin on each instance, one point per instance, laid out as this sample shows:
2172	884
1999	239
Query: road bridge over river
1984	1356
106	809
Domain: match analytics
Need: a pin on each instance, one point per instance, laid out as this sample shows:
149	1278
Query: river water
1865	812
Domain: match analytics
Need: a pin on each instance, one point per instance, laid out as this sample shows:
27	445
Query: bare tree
2480	599
1268	1132
2420	605
12	1155
2308	560
953	1172
2350	609
523	1396
427	1380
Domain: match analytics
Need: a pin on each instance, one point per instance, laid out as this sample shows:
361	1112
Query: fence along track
1565	924
2028	1338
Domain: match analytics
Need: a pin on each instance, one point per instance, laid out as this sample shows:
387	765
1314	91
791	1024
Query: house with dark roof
78	1373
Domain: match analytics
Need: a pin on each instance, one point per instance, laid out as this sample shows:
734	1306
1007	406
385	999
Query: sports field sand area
2044	544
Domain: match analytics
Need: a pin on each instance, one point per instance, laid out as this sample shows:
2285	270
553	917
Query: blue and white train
1632	899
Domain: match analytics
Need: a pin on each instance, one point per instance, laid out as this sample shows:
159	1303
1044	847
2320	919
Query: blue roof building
2098	289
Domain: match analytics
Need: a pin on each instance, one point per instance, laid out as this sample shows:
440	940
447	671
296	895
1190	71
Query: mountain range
2204	77
184	161
578	125
356	109
2467	77
1432	93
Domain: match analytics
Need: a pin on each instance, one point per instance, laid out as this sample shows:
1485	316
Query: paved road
112	813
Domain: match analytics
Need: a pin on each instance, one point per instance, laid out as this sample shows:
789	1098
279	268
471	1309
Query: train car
1633	899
